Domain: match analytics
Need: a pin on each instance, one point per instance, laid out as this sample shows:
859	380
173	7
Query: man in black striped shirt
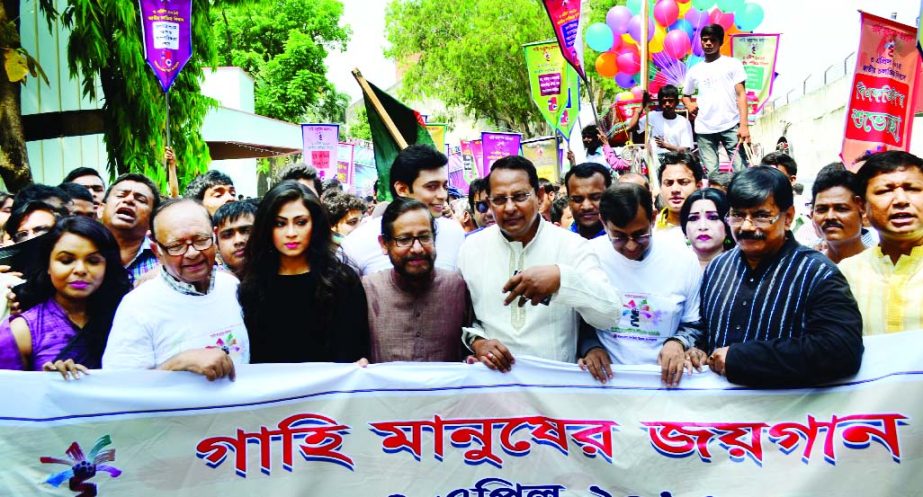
776	313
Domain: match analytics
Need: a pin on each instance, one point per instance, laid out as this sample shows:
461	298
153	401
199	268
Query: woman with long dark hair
301	303
69	301
702	218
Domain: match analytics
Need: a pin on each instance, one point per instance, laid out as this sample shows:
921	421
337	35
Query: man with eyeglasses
530	282
416	311
585	185
659	281
776	314
188	318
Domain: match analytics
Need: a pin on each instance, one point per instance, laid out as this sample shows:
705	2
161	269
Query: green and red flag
409	124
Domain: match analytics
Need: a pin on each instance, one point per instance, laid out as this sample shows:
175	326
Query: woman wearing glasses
702	219
69	301
300	302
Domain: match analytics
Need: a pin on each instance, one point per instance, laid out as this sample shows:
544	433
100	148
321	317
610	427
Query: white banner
457	430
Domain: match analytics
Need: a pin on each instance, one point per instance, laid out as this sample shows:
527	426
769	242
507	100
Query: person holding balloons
671	132
720	110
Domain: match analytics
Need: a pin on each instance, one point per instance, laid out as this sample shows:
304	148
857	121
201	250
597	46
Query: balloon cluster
672	35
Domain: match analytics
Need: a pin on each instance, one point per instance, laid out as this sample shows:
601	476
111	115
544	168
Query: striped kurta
790	321
890	296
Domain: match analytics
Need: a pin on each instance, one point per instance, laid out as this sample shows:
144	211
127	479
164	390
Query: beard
420	273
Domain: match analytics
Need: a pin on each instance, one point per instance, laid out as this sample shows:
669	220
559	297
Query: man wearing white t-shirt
659	280
187	318
670	131
419	172
720	110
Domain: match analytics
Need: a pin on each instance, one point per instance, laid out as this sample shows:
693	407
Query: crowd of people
710	268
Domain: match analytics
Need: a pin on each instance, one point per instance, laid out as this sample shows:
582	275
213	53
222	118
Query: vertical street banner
437	133
554	84
346	164
920	30
543	152
758	53
565	19
167	34
321	147
477	151
882	96
497	145
471	169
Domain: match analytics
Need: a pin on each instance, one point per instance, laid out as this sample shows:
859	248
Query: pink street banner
884	90
321	147
346	164
498	145
167	33
544	429
565	19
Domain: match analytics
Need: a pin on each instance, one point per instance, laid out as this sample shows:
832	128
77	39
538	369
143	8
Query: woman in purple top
69	301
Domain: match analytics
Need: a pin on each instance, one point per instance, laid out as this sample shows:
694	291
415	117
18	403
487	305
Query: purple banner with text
167	32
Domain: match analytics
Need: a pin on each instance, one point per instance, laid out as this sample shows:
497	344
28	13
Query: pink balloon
617	44
637	92
628	63
697	18
725	20
677	43
666	12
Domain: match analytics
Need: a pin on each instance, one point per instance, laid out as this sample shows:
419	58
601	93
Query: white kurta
487	260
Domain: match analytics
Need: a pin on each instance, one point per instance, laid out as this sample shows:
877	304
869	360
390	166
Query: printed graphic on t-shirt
647	317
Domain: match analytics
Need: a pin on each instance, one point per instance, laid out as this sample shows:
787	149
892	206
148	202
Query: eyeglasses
482	206
408	241
620	239
517	198
21	236
180	248
760	219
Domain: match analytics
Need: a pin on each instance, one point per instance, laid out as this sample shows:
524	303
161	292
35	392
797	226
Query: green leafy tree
15	65
468	54
358	126
283	44
106	48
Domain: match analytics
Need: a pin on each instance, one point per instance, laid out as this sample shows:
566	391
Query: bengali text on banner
757	52
457	430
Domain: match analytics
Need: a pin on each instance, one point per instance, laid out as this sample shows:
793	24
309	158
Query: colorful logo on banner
554	85
565	19
346	164
758	53
497	146
543	152
321	147
83	467
437	133
883	93
167	33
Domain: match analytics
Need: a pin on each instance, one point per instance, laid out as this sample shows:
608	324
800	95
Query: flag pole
645	53
367	90
171	167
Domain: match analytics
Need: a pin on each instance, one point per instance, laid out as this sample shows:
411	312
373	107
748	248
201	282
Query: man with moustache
585	185
887	279
776	314
127	209
680	175
836	213
416	311
188	318
659	282
419	172
549	277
